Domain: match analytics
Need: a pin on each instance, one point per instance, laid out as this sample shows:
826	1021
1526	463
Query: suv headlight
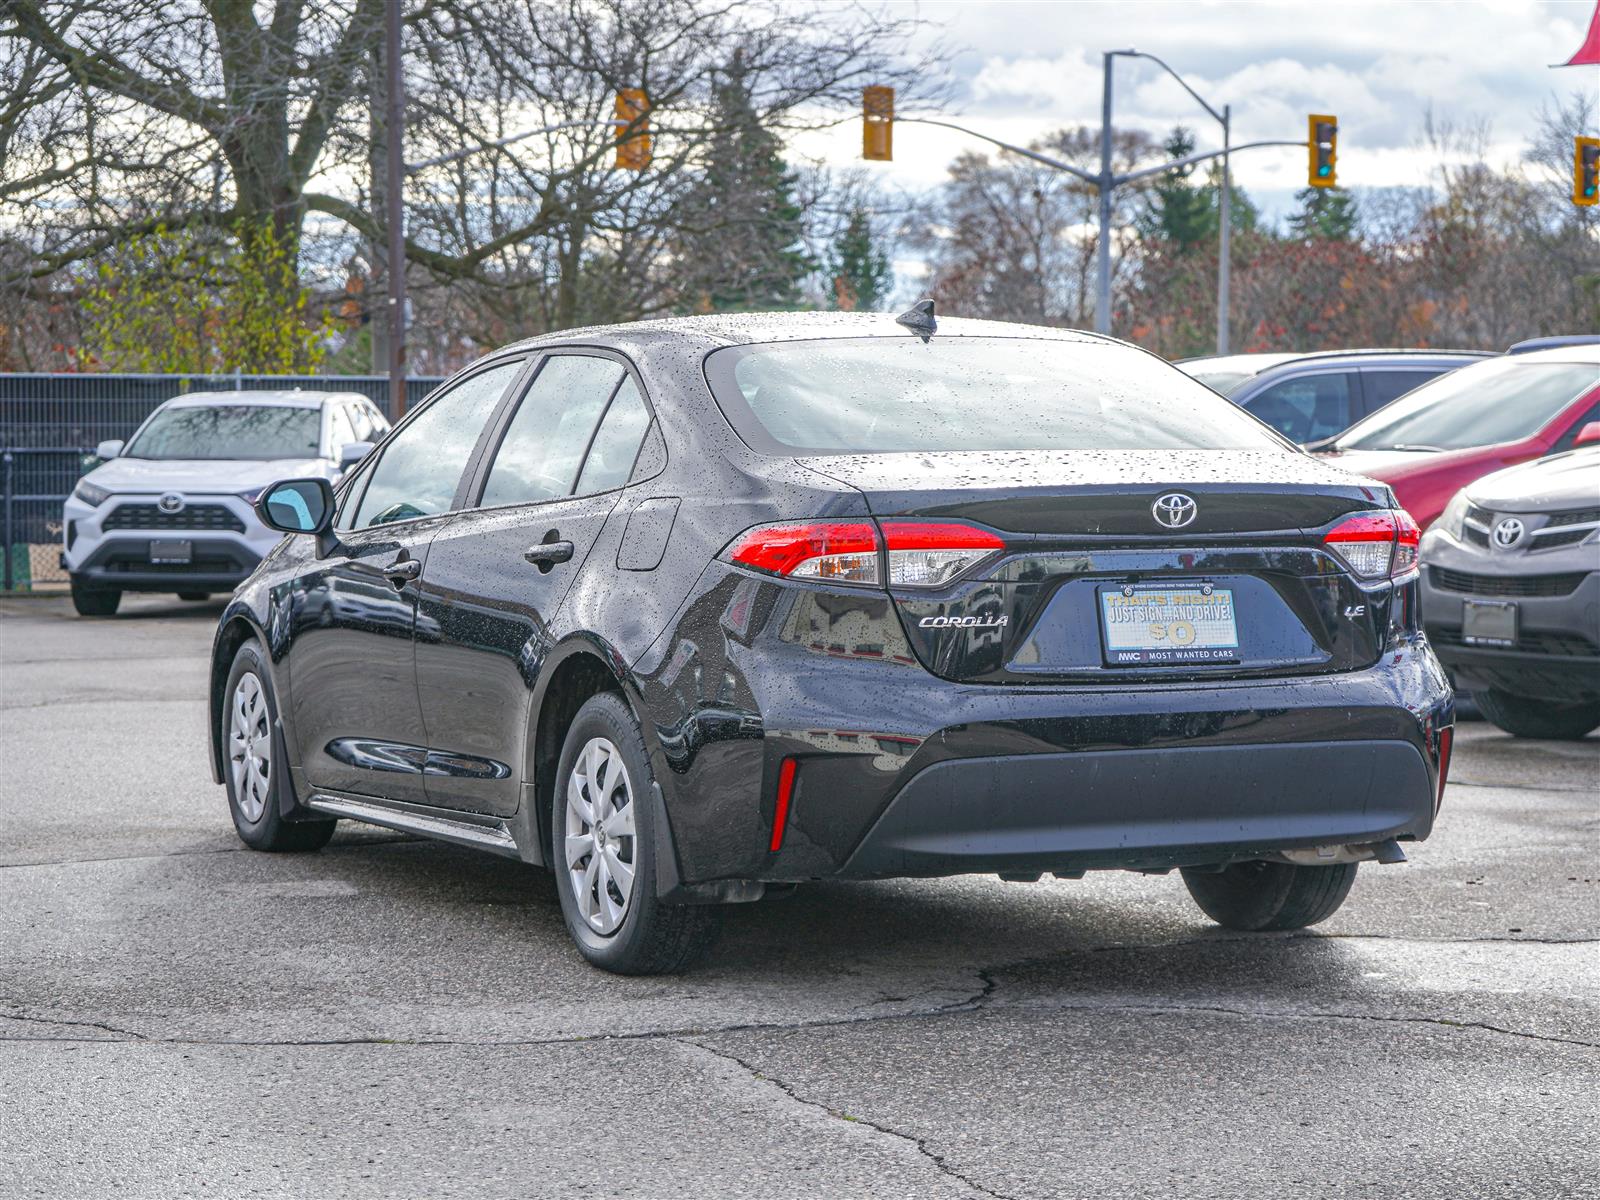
1452	519
91	494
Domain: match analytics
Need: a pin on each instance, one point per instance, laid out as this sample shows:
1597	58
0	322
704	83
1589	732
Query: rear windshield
1485	404
883	395
225	431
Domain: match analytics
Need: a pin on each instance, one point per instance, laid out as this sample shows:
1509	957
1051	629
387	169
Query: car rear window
1485	404
888	395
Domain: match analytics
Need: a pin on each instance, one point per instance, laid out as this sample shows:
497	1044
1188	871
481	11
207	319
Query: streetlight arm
1200	100
1086	176
1194	158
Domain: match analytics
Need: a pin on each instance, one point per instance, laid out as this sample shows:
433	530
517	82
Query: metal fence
50	425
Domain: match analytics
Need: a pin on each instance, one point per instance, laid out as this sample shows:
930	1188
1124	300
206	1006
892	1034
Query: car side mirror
297	506
109	448
352	454
1589	435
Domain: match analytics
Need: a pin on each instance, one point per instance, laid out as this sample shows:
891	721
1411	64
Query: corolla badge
172	502
1174	510
1508	532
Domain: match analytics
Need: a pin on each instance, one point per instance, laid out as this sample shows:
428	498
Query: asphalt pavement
393	1017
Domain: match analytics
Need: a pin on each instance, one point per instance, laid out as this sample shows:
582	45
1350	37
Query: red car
1435	440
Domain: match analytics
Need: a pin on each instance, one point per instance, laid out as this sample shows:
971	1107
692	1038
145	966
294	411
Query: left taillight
1376	545
911	554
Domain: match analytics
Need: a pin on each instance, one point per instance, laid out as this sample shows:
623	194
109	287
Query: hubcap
600	843
250	747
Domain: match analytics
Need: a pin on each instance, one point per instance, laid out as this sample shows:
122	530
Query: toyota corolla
686	610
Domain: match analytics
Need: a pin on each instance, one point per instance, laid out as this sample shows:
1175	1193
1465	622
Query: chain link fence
51	424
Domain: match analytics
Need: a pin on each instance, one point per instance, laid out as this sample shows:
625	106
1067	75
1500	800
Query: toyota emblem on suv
1174	510
172	502
1508	532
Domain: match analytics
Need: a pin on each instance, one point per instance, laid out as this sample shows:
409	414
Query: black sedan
688	609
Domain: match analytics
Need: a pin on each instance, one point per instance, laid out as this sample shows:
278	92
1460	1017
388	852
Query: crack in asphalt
918	1143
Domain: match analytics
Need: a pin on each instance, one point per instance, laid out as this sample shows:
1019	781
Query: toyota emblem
1508	532
1174	510
170	503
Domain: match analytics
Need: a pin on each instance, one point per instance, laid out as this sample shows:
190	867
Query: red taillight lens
932	553
920	553
780	815
838	551
1447	736
1377	544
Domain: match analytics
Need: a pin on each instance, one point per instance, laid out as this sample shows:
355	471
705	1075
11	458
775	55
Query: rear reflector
920	554
780	815
1377	544
1446	738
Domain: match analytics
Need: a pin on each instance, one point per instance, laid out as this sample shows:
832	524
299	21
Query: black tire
653	938
1261	896
194	595
266	830
91	601
1526	718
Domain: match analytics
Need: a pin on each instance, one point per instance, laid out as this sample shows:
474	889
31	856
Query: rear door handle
403	571
547	554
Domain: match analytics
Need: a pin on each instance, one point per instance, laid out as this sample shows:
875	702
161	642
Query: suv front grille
193	516
1447	580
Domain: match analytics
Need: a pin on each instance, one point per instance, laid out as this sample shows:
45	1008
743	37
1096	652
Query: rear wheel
1521	717
604	842
1260	896
92	601
252	761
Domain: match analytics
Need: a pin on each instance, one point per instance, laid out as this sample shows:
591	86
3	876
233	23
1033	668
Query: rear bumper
1155	808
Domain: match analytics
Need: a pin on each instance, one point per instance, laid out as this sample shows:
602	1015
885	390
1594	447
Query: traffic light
633	129
1323	142
877	124
1586	171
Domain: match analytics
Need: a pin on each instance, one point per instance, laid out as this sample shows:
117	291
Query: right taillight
929	554
1376	545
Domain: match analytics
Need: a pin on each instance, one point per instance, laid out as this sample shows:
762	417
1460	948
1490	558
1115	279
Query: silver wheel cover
250	747
600	847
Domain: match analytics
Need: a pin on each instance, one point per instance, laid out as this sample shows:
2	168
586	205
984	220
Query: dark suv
685	609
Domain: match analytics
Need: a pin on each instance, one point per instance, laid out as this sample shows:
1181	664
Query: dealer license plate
171	550
1193	623
1489	622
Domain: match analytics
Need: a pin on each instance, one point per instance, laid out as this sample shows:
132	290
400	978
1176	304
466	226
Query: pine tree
1180	212
859	267
744	249
1328	214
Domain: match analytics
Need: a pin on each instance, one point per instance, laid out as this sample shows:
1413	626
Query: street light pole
1225	235
1102	308
394	134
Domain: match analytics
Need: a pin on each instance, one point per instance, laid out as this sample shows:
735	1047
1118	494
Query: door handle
547	554
402	571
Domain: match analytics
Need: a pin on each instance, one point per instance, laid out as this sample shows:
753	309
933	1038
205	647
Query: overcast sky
1022	69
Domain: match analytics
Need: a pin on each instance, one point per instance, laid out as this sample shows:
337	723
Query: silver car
1511	594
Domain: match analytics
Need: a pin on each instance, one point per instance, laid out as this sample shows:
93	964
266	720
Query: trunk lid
1088	570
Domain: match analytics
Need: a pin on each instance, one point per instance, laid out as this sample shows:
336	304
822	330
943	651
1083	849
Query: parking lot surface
393	1017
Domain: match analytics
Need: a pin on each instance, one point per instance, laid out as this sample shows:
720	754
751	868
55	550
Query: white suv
171	510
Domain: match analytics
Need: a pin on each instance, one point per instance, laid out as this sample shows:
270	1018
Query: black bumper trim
1176	806
219	565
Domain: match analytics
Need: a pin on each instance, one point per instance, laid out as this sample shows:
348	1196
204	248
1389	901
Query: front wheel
91	601
1261	896
1525	718
604	840
253	761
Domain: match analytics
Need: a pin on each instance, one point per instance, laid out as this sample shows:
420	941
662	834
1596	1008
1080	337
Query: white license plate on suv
171	550
1489	623
1192	623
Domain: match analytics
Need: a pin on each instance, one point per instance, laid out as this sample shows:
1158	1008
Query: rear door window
545	444
616	443
1308	408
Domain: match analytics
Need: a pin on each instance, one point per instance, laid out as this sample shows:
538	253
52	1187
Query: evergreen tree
743	249
1329	214
859	267
1180	212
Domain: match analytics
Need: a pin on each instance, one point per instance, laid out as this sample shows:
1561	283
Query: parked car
1226	373
1464	425
687	608
1510	593
1556	342
171	511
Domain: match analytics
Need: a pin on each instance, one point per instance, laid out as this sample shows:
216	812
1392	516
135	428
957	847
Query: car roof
294	398
1554	341
1587	353
738	329
1381	354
